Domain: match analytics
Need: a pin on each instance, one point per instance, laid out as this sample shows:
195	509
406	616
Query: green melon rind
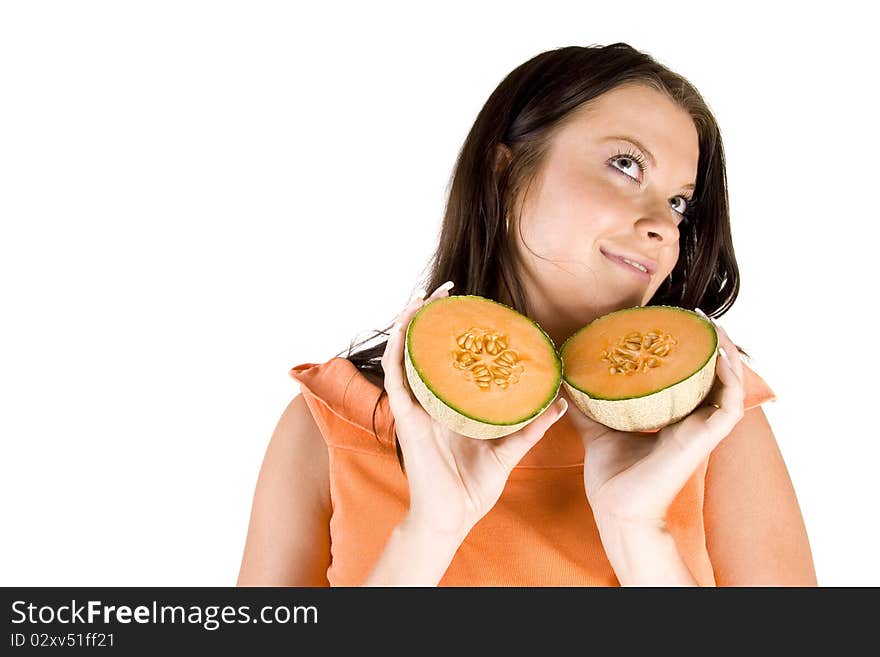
452	417
653	410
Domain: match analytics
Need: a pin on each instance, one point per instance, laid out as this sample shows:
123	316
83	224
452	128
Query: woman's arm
643	555
755	533
288	540
413	556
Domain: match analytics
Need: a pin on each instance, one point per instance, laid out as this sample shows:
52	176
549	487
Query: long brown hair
524	113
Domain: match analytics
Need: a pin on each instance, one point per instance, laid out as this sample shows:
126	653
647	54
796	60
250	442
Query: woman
581	156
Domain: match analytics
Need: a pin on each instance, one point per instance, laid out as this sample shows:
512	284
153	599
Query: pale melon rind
650	412
454	420
655	410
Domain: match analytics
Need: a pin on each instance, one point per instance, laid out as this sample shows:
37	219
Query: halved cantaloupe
479	367
642	368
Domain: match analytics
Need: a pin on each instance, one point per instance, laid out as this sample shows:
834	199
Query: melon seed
635	352
477	344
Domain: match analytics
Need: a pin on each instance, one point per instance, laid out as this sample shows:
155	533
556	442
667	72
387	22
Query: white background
196	196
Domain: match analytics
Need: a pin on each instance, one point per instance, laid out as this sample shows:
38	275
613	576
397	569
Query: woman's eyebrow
635	142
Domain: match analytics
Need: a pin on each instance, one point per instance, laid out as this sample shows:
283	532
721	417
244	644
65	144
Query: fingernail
446	286
704	315
724	354
563	406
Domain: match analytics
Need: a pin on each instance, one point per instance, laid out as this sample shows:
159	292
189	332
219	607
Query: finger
442	291
400	398
403	318
510	449
731	353
713	398
418	296
729	398
725	343
588	429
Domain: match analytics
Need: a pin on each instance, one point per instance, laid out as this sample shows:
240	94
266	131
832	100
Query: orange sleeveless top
541	532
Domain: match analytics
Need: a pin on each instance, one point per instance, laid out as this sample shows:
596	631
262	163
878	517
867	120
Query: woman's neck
558	317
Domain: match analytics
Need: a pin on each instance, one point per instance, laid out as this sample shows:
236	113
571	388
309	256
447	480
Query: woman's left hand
633	477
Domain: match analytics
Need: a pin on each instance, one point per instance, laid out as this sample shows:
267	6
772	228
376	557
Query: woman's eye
680	209
635	165
630	163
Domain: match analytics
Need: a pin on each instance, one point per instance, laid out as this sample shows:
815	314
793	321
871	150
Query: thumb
587	427
510	449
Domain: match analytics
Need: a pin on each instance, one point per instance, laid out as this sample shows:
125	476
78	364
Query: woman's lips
637	272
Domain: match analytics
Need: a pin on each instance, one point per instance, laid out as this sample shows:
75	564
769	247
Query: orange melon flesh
644	397
453	394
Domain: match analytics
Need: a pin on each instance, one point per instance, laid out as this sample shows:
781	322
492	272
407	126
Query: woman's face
591	202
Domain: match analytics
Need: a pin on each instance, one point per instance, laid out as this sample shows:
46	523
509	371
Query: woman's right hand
453	480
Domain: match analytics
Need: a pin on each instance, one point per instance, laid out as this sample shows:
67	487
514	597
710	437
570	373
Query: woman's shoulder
347	405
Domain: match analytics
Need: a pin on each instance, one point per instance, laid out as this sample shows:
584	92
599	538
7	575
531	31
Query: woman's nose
657	221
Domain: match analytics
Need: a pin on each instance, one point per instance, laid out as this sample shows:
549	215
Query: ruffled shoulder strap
342	401
755	388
